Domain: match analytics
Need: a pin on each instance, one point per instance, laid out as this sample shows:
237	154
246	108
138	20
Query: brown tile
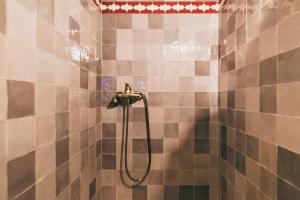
28	194
84	79
201	130
109	162
186	192
186	161
3	16
155	98
252	75
202	99
139	193
20	107
171	130
124	21
155	21
74	33
109	22
139	146
20	174
157	146
155	177
288	70
171	192
75	189
268	99
108	146
268	71
268	183
62	125
202	115
109	52
288	164
62	178
109	130
202	68
62	151
109	37
252	147
171	177
286	191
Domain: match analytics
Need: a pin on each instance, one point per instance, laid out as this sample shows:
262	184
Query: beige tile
3	54
44	99
2	143
252	99
20	136
45	188
74	144
45	161
287	33
45	10
140	22
45	126
288	99
3	99
44	36
21	62
287	132
45	74
24	32
75	167
268	43
268	155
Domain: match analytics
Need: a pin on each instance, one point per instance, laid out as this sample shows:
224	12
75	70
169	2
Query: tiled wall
173	60
259	95
48	113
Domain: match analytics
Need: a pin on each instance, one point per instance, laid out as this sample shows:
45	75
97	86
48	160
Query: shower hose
124	147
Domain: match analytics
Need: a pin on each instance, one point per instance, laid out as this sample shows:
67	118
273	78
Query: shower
125	99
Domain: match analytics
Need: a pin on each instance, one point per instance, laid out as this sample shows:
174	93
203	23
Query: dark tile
201	130
171	130
155	177
201	192
240	120
138	115
224	134
109	162
84	139
231	61
285	191
108	146
201	146
288	66
223	184
92	189
109	21
231	99
109	130
109	84
28	194
139	146
186	192
252	147
231	156
202	99
109	36
62	178
268	183
139	193
108	192
268	71
3	16
288	165
84	79
62	125
84	158
124	21
92	99
20	102
155	98
62	99
157	146
74	33
202	115
223	150
98	83
109	52
75	189
241	163
20	174
240	142
171	192
251	192
62	151
268	99
202	68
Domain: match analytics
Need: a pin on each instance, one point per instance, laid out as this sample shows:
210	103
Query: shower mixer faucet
124	99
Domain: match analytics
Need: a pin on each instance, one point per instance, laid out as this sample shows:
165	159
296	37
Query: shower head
125	97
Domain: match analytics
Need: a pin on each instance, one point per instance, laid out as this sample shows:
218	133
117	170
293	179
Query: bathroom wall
173	59
49	61
259	95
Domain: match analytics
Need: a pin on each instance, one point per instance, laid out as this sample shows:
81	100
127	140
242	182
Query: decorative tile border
159	7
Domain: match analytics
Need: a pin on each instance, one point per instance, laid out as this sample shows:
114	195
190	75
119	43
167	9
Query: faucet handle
127	88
